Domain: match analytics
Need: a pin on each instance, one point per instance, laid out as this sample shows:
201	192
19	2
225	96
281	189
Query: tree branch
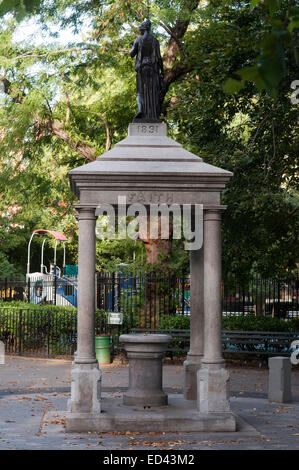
171	34
56	127
60	51
108	135
68	102
175	46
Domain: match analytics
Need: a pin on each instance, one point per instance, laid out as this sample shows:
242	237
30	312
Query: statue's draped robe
148	81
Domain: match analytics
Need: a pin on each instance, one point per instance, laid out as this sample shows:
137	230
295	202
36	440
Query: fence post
55	284
278	299
28	290
20	331
5	287
183	295
96	291
48	331
113	287
132	299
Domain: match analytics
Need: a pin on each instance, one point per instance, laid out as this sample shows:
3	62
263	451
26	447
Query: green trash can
102	346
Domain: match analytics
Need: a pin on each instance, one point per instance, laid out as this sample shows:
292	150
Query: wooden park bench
180	339
261	343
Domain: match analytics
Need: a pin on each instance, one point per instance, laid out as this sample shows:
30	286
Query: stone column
86	376
212	378
194	356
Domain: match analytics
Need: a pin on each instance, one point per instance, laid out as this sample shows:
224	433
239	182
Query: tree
77	98
250	133
63	106
269	67
7	270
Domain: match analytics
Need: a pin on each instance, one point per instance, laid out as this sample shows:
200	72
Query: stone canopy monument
148	167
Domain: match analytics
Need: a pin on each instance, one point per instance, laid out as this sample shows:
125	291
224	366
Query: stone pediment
147	160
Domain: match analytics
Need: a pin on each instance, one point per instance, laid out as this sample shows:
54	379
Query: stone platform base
179	415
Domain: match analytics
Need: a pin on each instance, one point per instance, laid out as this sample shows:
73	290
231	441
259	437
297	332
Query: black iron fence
49	331
266	297
12	290
38	332
52	332
147	296
152	295
40	290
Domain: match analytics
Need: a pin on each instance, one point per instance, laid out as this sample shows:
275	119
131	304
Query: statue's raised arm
149	79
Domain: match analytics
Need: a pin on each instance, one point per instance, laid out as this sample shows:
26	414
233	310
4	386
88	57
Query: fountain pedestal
145	353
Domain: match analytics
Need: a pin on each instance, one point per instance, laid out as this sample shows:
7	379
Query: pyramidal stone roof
148	156
155	146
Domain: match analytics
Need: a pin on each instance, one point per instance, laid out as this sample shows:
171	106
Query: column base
213	389
191	366
85	388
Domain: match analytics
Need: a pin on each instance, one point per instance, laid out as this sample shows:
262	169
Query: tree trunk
161	246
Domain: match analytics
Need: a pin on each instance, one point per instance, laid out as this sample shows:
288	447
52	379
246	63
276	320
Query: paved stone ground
34	393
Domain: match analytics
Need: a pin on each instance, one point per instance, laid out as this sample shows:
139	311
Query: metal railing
38	332
151	295
155	294
52	332
48	331
52	290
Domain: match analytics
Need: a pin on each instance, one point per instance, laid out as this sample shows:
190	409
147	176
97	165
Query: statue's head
145	26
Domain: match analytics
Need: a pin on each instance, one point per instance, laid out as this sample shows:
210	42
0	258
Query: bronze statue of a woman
149	79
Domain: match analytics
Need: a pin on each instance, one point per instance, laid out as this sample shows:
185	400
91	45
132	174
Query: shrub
175	322
50	329
235	322
258	323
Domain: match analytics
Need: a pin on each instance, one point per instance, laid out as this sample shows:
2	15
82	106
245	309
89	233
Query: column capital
214	207
212	214
85	212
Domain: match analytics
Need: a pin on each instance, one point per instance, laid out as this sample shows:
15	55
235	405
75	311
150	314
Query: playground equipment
53	286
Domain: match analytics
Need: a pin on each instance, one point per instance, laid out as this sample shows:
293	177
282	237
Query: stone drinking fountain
148	167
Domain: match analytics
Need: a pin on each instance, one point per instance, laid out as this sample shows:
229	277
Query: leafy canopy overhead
63	105
20	8
280	32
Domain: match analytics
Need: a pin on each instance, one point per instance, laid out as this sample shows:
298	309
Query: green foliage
110	254
280	22
254	323
7	270
19	304
43	329
51	329
235	322
132	303
20	8
86	92
175	322
251	135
